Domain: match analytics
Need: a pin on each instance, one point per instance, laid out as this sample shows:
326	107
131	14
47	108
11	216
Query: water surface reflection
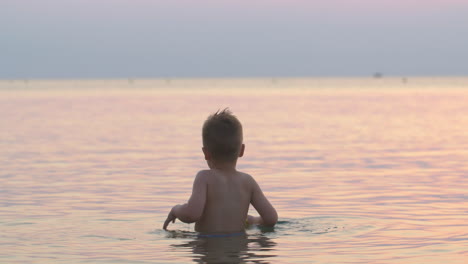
360	171
238	249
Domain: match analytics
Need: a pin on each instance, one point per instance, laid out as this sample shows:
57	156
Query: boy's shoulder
204	174
245	175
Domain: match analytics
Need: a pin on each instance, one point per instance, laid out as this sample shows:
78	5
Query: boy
221	195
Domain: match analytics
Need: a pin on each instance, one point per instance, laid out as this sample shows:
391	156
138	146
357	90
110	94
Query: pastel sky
226	38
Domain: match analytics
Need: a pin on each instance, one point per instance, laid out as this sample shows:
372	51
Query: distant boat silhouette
378	75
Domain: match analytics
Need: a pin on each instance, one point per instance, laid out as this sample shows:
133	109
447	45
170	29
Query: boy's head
222	137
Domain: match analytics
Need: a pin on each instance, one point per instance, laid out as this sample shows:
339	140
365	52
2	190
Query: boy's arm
268	214
193	209
254	220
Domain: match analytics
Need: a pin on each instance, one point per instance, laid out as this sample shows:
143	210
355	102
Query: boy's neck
224	166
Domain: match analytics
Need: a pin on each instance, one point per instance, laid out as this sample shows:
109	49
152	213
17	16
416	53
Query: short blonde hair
222	135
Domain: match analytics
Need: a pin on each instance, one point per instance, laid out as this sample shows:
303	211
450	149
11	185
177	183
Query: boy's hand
170	217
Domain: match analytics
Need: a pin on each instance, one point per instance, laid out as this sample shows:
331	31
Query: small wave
107	237
294	226
320	225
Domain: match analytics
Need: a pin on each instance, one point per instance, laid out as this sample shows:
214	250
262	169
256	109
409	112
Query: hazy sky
227	38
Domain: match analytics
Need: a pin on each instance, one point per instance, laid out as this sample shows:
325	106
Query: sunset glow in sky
206	38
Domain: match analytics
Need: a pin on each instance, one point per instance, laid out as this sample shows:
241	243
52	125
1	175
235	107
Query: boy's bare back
221	196
228	196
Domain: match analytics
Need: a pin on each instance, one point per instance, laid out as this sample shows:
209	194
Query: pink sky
317	3
349	8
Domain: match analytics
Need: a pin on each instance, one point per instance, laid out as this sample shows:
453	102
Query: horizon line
131	78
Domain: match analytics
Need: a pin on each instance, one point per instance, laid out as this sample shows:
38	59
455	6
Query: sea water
359	170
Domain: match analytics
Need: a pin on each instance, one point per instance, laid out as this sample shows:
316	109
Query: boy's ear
206	153
241	152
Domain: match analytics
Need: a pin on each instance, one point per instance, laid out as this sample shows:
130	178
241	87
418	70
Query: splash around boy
221	195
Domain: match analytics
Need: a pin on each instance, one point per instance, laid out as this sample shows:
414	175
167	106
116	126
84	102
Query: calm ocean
360	170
